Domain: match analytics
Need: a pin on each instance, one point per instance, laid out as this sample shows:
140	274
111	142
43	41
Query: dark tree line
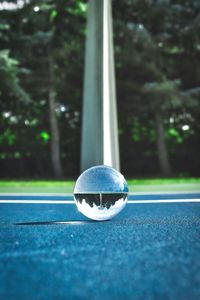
158	82
157	52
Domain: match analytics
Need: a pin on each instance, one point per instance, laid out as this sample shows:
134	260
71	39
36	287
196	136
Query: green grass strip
135	185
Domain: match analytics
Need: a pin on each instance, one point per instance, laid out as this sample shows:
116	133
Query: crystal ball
100	193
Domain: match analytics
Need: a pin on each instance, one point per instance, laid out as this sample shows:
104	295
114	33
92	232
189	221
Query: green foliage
36	31
44	135
79	9
157	57
163	94
9	80
172	132
7	137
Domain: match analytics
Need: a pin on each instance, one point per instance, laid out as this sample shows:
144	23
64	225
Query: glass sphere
100	193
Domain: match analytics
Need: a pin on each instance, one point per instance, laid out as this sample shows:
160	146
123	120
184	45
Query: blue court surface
151	250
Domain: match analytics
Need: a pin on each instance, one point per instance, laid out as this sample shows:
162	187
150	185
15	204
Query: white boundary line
38	194
73	202
164	201
37	201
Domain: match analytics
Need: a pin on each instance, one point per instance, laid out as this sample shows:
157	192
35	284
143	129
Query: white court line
164	201
38	201
37	194
73	202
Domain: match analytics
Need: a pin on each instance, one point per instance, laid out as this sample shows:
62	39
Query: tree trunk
55	136
163	156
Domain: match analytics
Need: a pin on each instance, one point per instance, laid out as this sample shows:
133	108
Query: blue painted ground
131	196
149	251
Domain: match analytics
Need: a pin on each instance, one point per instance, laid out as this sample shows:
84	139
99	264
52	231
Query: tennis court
151	250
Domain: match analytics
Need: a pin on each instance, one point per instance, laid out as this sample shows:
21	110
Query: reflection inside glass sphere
100	206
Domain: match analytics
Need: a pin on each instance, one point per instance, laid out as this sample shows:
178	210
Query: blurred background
157	55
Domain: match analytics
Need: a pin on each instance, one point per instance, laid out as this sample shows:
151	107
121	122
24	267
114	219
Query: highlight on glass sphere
100	193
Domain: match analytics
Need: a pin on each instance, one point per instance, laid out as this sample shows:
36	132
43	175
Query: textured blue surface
130	197
149	251
100	179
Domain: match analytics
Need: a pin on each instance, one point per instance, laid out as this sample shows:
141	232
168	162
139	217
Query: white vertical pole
110	125
99	143
92	115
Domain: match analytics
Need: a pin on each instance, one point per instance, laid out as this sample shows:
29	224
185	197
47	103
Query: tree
150	59
48	37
